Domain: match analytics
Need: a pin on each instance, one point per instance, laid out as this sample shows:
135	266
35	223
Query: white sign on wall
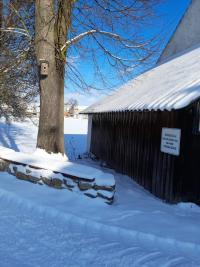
170	141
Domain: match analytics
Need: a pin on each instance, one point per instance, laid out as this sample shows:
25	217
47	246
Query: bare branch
16	30
111	35
90	32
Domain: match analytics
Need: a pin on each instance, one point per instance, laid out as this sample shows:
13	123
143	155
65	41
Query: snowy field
41	226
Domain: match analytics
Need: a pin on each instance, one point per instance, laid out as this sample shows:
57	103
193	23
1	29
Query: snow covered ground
22	136
41	226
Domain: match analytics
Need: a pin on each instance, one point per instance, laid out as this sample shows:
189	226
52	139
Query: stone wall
90	188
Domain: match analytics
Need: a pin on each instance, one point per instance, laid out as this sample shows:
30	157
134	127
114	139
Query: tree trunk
1	21
51	122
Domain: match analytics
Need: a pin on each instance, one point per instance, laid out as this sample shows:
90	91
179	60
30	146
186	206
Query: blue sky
169	13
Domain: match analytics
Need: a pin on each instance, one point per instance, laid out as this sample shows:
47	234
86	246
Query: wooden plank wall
187	171
129	142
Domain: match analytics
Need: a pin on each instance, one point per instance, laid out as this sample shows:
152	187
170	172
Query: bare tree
1	21
51	31
70	106
18	72
100	33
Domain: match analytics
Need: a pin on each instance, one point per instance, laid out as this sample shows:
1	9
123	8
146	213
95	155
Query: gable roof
171	85
186	34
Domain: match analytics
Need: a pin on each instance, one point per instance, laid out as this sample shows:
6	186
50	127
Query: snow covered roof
171	85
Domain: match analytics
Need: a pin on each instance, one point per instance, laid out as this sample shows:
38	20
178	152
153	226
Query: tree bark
1	21
49	32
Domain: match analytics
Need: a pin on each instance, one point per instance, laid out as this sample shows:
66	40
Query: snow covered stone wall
102	186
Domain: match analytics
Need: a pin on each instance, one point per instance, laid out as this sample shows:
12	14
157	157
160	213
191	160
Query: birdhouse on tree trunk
44	67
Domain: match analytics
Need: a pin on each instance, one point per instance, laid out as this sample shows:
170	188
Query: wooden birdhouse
44	67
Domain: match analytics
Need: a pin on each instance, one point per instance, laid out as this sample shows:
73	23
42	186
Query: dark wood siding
188	169
130	142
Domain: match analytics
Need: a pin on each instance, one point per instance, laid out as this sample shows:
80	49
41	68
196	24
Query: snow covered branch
16	30
90	32
109	34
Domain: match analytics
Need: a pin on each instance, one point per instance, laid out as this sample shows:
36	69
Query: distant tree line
70	107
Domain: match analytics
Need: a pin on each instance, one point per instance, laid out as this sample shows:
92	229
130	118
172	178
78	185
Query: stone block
106	195
69	183
57	183
3	165
84	185
103	187
26	177
47	181
91	193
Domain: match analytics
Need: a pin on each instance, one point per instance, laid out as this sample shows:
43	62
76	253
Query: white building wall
187	32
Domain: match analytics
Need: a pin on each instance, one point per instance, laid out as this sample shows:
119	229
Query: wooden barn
150	128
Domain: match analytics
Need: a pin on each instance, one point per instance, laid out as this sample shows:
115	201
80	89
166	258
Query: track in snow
29	238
